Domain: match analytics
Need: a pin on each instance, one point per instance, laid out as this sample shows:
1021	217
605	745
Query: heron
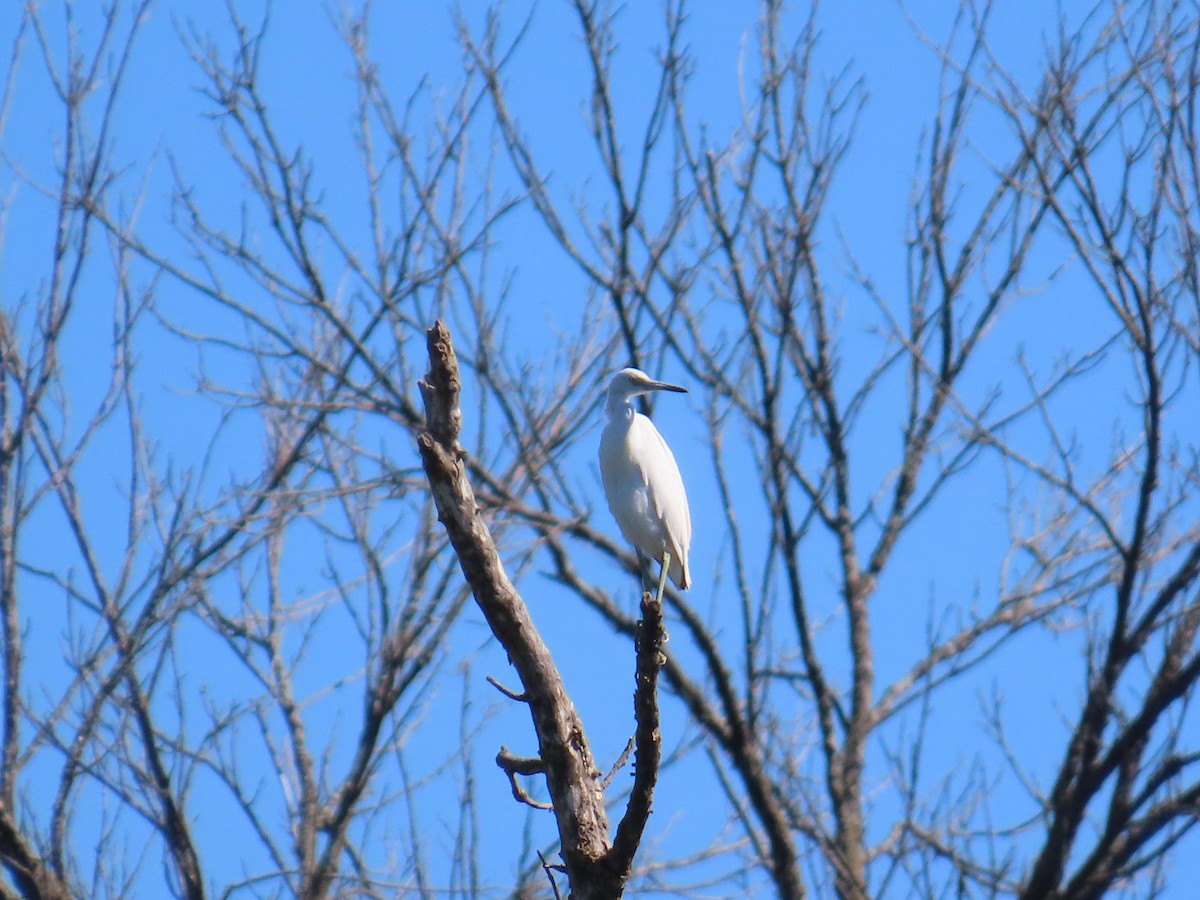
642	481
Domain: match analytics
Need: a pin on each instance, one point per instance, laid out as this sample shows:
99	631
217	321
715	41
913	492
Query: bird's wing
667	495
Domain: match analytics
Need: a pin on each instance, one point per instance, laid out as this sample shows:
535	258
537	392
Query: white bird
642	481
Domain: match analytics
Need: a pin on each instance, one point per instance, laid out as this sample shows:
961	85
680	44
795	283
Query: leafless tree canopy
943	460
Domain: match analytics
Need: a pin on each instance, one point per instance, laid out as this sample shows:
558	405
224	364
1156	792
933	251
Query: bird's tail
679	572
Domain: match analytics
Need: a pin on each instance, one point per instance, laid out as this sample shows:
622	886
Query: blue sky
163	125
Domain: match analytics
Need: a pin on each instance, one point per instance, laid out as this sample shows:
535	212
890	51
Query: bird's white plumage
641	478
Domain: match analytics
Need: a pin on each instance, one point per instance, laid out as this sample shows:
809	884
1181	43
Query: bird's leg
645	574
662	575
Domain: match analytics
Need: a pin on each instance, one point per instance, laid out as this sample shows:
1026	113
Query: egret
642	481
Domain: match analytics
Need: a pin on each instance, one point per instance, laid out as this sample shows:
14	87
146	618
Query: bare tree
188	647
1104	156
942	640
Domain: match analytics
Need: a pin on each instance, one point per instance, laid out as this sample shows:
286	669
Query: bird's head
630	383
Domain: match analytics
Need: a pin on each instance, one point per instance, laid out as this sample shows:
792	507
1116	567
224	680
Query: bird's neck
619	409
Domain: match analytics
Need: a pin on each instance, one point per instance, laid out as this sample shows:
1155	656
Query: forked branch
596	866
